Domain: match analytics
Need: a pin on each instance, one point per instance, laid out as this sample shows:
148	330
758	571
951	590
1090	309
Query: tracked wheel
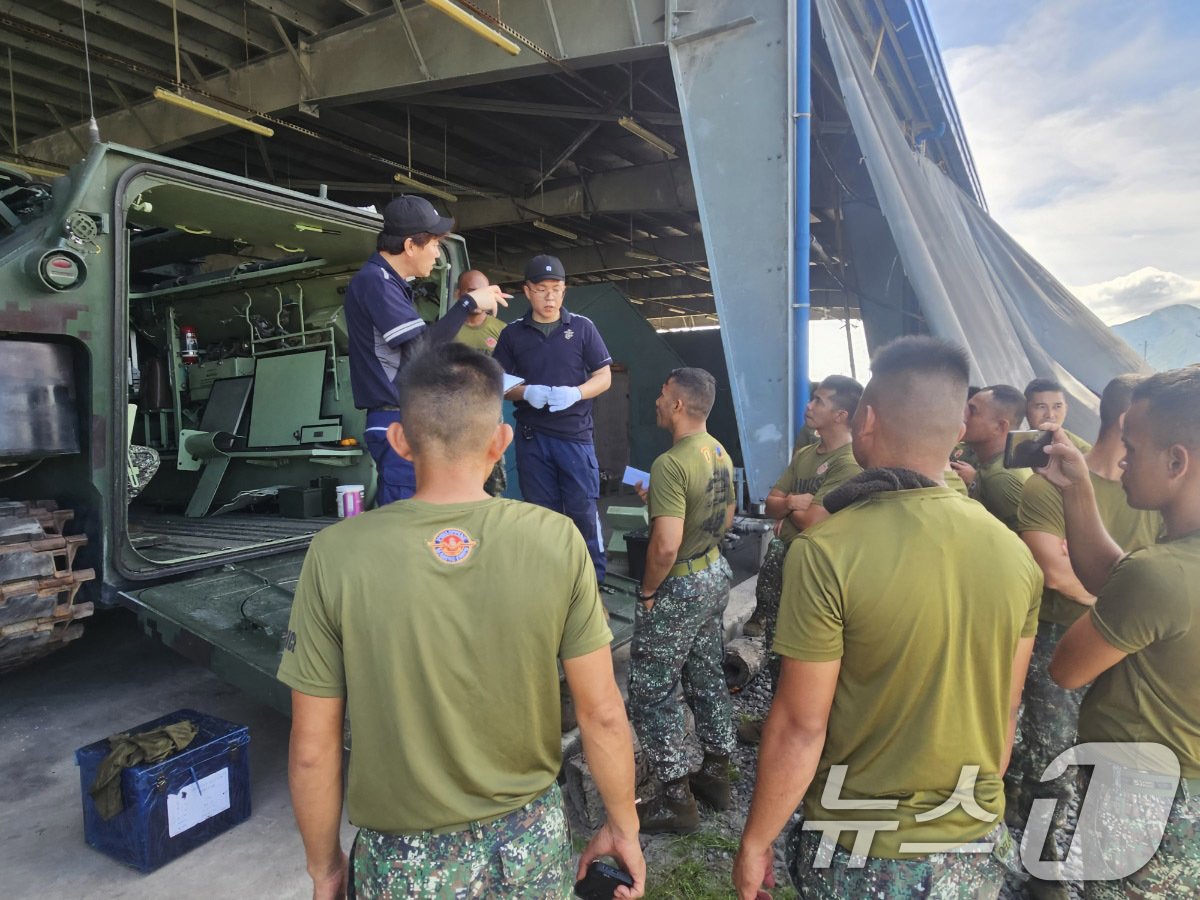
38	582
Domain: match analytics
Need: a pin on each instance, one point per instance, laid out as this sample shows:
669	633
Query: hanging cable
93	125
175	30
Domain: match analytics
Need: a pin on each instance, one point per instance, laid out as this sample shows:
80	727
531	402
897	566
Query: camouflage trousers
767	593
497	482
938	876
681	639
1174	871
1048	725
525	854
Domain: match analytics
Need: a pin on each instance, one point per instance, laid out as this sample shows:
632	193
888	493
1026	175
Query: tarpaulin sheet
975	285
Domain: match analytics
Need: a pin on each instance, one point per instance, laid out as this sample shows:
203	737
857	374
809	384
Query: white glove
562	397
536	395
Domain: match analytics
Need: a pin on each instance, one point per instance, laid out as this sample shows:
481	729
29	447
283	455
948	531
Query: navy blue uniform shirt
382	322
568	357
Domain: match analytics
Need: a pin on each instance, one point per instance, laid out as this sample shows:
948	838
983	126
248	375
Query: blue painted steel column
801	233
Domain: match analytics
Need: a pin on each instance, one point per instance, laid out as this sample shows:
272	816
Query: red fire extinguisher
189	345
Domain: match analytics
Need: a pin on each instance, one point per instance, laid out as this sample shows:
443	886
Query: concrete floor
111	679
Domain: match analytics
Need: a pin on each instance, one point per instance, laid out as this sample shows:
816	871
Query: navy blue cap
545	268
408	214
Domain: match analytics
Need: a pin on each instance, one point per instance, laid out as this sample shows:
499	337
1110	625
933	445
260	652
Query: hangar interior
650	148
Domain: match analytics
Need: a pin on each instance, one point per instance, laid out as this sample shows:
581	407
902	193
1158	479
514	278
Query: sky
1083	118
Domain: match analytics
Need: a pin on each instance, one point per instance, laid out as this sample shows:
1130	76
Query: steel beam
745	218
379	70
63	56
604	257
144	27
374	132
289	13
665	186
215	20
29	73
544	110
21	12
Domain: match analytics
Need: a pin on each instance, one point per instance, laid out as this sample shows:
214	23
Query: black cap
413	215
545	268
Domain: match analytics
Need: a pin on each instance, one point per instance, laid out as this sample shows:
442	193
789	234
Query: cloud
1137	294
1083	117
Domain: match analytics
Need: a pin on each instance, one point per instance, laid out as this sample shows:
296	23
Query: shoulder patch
452	545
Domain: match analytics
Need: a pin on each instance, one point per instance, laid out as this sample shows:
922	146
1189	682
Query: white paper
632	476
196	802
511	381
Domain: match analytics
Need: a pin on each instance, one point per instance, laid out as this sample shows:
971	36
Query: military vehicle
175	407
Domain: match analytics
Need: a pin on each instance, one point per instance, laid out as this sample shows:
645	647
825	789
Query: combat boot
711	784
674	810
1047	890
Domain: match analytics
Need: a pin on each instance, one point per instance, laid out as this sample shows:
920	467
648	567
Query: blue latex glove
536	395
562	397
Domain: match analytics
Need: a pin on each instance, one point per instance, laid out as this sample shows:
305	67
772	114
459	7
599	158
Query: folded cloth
874	481
129	750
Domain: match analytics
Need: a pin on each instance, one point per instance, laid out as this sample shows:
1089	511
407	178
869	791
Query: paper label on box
197	801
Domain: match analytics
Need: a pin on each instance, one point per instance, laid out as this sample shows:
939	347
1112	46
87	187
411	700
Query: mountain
1168	338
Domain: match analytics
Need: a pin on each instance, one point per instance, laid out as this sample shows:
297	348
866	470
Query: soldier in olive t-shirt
1140	644
481	337
797	501
1150	609
1050	715
678	638
905	723
449	657
816	473
999	489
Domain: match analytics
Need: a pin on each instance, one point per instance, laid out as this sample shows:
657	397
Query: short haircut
972	390
846	392
450	400
1116	400
1174	405
1041	386
918	388
696	388
394	243
1009	401
472	274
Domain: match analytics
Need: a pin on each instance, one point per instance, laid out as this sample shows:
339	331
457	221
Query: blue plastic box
175	805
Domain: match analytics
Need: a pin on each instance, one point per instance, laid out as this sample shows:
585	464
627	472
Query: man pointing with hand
565	365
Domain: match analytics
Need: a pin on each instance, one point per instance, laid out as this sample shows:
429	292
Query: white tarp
975	284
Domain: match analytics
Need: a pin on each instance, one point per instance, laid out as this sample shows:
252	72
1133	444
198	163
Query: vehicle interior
241	425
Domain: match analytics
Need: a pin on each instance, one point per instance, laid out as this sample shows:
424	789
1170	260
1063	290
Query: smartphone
601	881
1027	449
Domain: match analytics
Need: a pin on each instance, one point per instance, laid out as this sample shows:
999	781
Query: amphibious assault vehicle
175	407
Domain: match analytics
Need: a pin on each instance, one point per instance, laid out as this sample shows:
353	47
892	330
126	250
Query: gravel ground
717	841
713	848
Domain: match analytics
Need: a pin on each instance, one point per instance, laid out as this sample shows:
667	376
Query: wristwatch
646	598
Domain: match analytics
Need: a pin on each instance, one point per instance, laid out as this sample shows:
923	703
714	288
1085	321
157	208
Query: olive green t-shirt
955	483
962	452
693	481
426	619
482	338
1042	510
1084	446
811	472
893	587
999	489
1150	609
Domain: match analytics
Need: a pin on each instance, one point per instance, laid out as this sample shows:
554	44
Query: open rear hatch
231	619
